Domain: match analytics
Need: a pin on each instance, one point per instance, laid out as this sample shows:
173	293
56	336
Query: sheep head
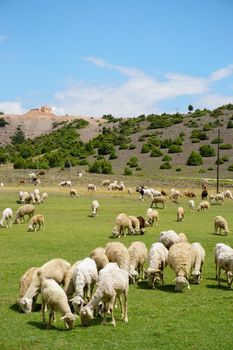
196	277
78	303
181	282
86	315
26	305
69	319
154	276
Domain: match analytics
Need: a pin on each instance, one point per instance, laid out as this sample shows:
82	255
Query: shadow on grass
216	286
218	234
169	288
15	307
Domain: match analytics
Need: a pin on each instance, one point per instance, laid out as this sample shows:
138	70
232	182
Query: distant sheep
170	237
37	222
157	200
44	196
227	194
143	224
157	261
204	194
73	193
220	224
203	205
138	253
94	208
65	183
122	224
105	183
152	216
180	214
181	258
117	252
175	195
189	194
91	187
7	216
27	209
191	205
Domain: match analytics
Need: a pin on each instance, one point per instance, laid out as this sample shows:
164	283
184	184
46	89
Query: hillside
160	145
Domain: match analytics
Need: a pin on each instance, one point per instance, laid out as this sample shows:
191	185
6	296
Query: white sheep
199	260
94	208
68	282
135	223
175	195
44	196
100	257
181	258
113	282
36	191
91	187
117	252
203	205
157	261
138	253
55	299
24	283
191	205
152	215
73	193
23	197
65	183
223	257
85	276
56	269
7	215
122	223
37	199
169	237
27	209
220	224
37	221
180	214
105	183
217	198
227	194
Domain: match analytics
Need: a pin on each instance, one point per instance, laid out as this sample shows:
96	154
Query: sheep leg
43	307
126	306
219	275
51	318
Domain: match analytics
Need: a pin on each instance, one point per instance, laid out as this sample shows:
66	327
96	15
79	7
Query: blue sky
119	57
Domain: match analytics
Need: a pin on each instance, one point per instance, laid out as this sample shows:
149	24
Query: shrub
113	155
3	122
207	151
133	162
175	149
101	166
145	148
127	171
194	159
165	165
202	171
132	146
156	152
138	168
230	168
166	158
123	146
225	146
215	141
230	124
195	140
178	169
83	162
210	168
198	134
225	158
105	148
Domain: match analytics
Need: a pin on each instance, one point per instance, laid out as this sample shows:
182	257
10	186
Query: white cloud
222	73
212	101
138	94
3	38
10	107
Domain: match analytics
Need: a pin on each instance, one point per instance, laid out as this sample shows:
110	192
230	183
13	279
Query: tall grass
199	318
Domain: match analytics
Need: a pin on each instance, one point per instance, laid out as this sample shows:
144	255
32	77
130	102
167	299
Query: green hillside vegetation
149	138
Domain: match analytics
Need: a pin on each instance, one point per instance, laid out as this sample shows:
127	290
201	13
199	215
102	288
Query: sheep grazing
65	183
27	209
180	214
91	187
217	199
7	216
181	258
129	190
44	196
94	208
117	252
157	261
157	200
122	223
204	194
170	237
84	278
100	257
23	197
138	253
220	224
189	194
191	205
105	183
113	282
199	260
37	199
223	258
68	283
55	299
56	269
73	193
152	216
135	223
37	221
175	195
24	284
203	205
227	194
142	223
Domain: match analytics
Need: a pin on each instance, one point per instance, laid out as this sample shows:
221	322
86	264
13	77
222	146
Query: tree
18	137
190	108
207	151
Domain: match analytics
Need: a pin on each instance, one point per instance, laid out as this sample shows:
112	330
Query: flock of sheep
92	286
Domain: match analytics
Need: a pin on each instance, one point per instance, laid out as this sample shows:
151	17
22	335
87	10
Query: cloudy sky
119	57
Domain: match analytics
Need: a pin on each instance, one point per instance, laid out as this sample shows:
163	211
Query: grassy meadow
199	318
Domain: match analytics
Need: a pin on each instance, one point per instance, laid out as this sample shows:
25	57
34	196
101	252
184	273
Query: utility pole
218	161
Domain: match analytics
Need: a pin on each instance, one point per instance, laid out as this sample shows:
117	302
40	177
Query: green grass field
199	318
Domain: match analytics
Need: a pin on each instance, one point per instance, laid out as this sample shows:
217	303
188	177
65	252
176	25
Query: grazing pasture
199	318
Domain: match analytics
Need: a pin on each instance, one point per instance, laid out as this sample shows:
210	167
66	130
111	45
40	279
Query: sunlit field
199	318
